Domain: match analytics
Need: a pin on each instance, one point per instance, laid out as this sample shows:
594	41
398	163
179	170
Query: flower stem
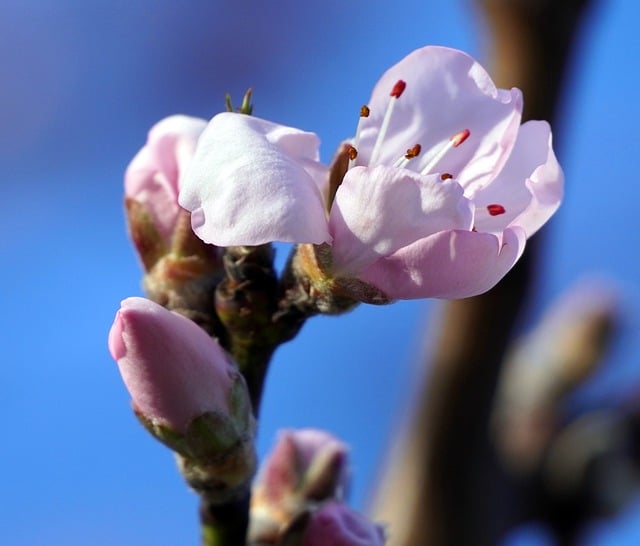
247	302
226	524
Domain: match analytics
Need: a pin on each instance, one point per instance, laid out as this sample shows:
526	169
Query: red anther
460	137
398	89
413	152
446	176
353	153
495	210
364	111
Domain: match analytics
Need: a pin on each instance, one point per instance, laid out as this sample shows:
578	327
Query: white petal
252	181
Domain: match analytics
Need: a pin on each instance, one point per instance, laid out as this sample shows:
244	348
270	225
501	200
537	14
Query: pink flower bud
305	467
153	177
173	370
189	395
335	524
305	461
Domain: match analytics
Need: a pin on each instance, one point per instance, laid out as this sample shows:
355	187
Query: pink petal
450	264
446	91
153	177
253	181
311	442
173	370
280	474
530	186
382	209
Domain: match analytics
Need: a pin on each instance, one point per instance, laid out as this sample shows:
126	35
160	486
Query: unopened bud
152	183
180	270
188	394
305	467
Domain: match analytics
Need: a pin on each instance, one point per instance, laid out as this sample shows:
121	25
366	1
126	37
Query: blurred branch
224	525
565	470
445	486
531	42
545	366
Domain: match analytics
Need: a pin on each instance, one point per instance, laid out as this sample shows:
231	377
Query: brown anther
353	153
460	137
398	89
495	210
413	152
364	111
446	176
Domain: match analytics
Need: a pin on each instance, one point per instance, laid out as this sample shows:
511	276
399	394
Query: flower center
394	96
437	154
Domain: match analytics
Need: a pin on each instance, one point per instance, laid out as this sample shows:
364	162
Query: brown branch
445	486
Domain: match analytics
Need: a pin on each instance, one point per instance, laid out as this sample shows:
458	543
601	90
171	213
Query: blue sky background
82	82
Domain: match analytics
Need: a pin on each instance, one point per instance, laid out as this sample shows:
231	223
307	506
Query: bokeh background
82	82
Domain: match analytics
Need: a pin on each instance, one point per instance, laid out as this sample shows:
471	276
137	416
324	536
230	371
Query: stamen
411	153
364	113
398	89
495	209
460	137
395	94
352	153
446	176
453	142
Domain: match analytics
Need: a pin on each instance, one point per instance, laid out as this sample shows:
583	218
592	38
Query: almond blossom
442	188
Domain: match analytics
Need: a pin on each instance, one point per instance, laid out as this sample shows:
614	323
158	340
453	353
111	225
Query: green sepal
162	432
147	240
228	103
240	406
246	107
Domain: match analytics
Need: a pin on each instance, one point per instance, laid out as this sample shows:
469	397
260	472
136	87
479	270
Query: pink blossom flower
173	370
335	524
443	187
154	175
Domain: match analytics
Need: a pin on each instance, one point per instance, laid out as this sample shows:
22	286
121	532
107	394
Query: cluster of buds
187	389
